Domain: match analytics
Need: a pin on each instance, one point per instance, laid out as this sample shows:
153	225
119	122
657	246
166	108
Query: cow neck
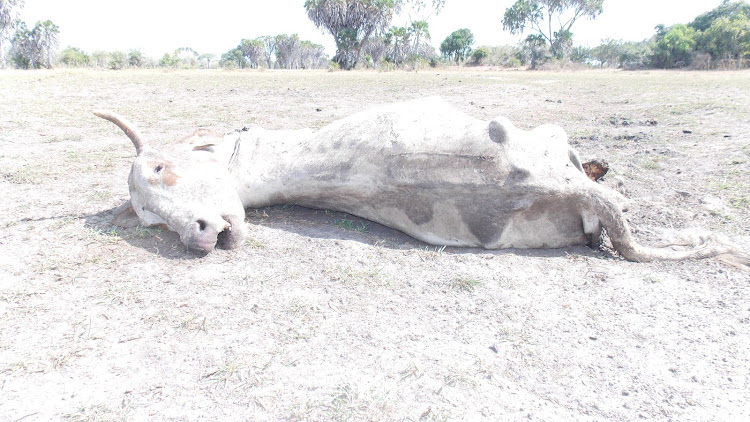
268	166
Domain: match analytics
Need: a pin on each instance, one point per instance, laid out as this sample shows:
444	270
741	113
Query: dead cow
422	167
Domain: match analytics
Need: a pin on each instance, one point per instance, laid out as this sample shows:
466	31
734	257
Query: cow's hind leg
592	228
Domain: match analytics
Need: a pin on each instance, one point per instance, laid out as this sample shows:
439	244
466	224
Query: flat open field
321	316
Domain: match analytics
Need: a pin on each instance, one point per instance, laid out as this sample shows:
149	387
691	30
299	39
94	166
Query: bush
457	45
135	58
581	54
728	39
117	60
502	55
634	55
479	54
74	57
554	64
674	47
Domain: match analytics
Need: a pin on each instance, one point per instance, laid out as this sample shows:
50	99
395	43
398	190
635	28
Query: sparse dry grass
323	317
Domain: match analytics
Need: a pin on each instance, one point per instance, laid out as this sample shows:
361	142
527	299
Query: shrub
479	54
674	46
117	60
74	57
502	55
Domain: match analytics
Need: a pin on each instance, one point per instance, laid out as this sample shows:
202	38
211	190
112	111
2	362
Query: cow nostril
201	225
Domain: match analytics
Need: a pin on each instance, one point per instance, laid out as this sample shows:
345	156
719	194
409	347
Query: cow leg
592	228
125	216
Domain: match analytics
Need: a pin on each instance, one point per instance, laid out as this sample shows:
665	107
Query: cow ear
125	216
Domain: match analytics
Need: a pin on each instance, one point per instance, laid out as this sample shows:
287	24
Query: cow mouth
232	236
224	237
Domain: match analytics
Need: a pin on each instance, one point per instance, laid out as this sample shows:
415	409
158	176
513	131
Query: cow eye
158	168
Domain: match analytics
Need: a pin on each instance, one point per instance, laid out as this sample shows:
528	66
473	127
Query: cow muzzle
202	236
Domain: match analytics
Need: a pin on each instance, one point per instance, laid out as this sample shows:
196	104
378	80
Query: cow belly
443	227
514	219
449	227
554	228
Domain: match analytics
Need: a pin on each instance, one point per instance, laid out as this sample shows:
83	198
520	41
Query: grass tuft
351	225
465	284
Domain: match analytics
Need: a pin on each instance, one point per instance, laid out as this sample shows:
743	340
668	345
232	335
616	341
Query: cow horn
126	127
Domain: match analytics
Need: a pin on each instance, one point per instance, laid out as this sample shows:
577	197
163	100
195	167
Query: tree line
280	52
365	38
718	39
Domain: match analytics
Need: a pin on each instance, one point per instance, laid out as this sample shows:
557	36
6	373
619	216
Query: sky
160	26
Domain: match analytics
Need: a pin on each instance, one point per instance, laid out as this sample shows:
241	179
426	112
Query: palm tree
8	17
45	36
419	30
351	22
397	40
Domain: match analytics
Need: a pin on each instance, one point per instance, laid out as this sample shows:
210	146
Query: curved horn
126	127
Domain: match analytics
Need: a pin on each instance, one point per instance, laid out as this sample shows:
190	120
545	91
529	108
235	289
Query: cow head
184	189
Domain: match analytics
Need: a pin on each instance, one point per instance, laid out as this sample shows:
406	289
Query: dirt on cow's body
324	316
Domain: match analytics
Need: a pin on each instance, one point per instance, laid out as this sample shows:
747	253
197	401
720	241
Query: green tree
135	58
550	19
311	55
46	37
99	58
728	38
419	31
9	12
117	60
269	44
581	54
233	58
535	45
479	54
36	48
375	52
725	10
253	51
501	55
457	45
187	57
401	44
353	22
634	54
74	57
169	60
674	46
607	52
21	48
288	51
207	58
397	44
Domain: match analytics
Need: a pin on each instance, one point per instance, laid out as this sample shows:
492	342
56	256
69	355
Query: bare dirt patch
323	316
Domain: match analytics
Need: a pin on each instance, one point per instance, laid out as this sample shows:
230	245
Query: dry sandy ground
321	316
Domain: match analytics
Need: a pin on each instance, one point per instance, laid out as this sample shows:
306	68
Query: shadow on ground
152	239
307	222
323	224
